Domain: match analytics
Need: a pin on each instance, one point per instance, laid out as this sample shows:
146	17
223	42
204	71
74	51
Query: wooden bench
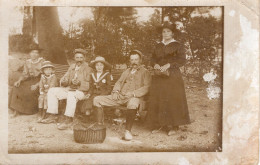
60	70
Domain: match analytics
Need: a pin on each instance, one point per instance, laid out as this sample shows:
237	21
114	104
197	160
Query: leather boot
39	115
100	115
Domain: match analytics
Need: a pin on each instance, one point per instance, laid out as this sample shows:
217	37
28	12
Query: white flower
213	92
104	81
209	77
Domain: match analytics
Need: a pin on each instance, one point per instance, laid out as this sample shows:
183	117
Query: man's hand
165	67
75	81
115	96
129	94
17	83
64	82
86	96
156	66
79	94
34	87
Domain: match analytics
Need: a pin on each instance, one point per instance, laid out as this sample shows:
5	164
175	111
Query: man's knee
53	91
133	103
97	100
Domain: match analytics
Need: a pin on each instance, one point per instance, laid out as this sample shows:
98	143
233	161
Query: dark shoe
39	116
172	130
51	119
15	114
66	124
156	130
128	136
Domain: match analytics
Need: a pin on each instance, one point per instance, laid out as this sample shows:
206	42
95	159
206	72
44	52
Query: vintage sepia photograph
115	79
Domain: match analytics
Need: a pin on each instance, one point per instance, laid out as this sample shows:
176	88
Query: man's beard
79	62
134	65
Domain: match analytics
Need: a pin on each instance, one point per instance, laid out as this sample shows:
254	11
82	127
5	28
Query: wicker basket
90	134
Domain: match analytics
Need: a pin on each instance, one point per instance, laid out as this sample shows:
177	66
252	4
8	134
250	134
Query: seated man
129	89
74	86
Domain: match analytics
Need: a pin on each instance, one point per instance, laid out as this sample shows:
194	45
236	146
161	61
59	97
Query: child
100	83
48	80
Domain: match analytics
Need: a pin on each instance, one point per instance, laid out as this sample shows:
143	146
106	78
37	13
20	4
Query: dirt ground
202	135
25	135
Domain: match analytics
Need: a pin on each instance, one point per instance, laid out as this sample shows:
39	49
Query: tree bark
49	34
27	21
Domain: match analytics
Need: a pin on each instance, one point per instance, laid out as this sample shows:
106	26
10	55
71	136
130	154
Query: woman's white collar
38	60
166	43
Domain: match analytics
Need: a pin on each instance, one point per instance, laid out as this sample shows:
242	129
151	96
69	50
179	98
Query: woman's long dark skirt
23	99
167	101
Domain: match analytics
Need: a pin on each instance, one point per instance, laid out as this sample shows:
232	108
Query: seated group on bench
81	82
167	108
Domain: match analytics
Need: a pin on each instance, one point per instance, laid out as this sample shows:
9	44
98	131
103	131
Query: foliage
114	31
19	43
203	36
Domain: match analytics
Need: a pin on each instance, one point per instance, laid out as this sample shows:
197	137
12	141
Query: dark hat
167	25
46	64
79	50
100	59
136	52
34	46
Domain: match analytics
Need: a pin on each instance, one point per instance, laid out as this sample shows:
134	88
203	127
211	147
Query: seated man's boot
130	117
128	136
100	115
51	119
66	124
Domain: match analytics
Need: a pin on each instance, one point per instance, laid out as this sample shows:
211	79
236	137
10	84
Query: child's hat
46	64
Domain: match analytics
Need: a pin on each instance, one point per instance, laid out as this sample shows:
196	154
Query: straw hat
100	59
82	51
46	64
136	52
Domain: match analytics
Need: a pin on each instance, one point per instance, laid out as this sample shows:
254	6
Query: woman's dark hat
100	59
136	52
34	46
167	25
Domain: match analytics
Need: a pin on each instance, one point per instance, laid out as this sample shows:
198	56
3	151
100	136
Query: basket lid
85	127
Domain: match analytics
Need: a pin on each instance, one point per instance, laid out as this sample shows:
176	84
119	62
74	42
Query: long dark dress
167	98
23	99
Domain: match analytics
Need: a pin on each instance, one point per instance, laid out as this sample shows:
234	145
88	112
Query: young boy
48	80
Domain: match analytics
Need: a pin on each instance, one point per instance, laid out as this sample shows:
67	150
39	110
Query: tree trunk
27	21
49	34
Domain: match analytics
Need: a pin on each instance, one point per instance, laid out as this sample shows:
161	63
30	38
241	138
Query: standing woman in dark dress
167	104
24	97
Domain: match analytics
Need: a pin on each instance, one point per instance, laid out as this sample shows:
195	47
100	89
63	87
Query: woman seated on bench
100	83
24	97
